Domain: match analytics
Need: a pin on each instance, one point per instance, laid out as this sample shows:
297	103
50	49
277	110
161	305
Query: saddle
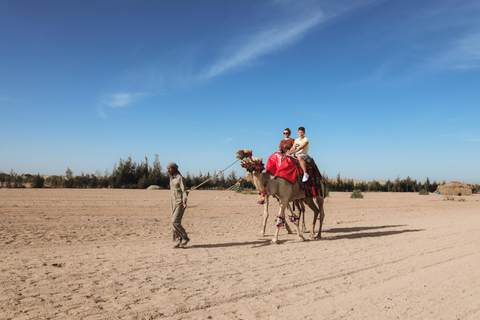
288	168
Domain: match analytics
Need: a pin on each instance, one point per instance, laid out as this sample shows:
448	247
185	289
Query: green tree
231	179
38	181
69	173
427	185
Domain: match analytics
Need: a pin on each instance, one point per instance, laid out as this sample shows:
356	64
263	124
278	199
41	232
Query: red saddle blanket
285	168
288	168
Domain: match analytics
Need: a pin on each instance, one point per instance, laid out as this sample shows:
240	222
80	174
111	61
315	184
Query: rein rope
230	189
214	176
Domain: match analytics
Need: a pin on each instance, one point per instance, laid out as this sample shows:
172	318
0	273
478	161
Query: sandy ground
107	254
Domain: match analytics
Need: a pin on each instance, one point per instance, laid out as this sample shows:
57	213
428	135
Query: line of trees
128	174
403	185
398	185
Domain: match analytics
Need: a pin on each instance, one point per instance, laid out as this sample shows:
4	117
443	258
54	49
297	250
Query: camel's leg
301	217
281	214
311	205
299	233
320	202
301	214
321	217
265	217
283	205
289	231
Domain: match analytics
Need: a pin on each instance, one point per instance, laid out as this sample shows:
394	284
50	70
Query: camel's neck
258	179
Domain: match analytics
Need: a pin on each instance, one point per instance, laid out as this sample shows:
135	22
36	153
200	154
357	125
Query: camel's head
252	165
243	153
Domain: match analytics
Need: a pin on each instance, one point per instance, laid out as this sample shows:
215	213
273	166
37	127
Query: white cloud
301	17
290	21
463	54
119	100
264	42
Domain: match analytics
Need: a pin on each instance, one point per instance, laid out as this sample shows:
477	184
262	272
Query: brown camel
285	192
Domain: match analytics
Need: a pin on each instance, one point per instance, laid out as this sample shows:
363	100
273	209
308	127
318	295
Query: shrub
423	192
38	181
356	194
248	191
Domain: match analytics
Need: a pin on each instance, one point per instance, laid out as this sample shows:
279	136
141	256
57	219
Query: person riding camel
300	151
286	143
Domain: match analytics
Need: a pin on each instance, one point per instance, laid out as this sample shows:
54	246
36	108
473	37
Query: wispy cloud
118	100
289	21
123	99
464	54
273	36
264	42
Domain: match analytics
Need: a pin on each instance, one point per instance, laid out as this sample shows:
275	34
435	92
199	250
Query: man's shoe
179	243
305	177
184	243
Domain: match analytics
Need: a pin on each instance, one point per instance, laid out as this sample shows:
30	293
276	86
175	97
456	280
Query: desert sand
107	254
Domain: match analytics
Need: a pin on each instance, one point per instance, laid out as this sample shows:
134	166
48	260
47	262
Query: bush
38	181
356	194
423	192
248	191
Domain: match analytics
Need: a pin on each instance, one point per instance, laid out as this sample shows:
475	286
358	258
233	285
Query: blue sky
384	88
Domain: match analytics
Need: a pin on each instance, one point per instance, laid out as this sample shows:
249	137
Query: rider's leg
303	165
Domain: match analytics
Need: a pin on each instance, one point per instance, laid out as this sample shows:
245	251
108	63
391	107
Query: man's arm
183	187
303	145
293	149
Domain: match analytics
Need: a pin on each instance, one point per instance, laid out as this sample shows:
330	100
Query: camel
266	200
285	193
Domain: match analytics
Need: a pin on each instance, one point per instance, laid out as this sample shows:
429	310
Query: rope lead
214	176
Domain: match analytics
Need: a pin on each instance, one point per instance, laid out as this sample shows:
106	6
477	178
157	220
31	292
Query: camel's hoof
274	241
312	234
289	232
302	239
261	234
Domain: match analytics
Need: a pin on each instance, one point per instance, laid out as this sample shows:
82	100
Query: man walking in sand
178	200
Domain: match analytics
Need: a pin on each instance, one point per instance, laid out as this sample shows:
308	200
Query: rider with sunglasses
286	143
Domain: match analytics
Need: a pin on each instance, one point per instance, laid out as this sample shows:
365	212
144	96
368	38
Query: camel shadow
372	234
357	229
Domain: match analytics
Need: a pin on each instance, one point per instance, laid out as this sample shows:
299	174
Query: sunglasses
285	133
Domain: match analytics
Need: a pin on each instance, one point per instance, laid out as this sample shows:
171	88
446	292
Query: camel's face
240	154
243	153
